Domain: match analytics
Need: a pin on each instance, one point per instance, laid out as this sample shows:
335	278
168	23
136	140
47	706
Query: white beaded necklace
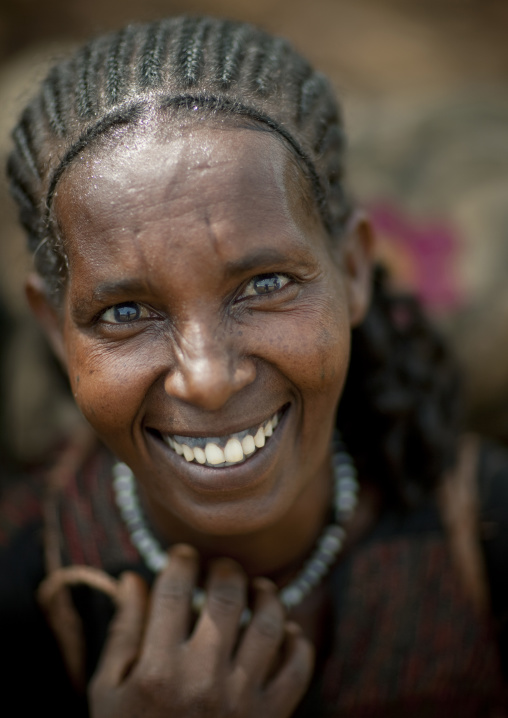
314	569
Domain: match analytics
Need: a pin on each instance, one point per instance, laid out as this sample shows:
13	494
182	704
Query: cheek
109	386
311	347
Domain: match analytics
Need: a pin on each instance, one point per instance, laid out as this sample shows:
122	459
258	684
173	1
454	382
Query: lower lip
227	479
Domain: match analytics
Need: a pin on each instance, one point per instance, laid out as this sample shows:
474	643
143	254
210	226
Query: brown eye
266	284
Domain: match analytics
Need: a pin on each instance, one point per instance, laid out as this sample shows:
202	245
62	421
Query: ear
48	315
357	261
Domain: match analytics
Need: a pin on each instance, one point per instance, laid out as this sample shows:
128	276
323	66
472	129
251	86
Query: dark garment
403	639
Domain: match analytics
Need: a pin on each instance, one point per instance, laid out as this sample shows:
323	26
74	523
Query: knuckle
118	629
237	700
226	598
269	625
269	619
205	698
96	688
175	590
300	668
151	681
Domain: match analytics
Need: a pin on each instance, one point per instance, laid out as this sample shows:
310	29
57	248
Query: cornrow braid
153	54
190	50
52	100
88	65
23	139
116	61
311	89
232	49
269	63
395	401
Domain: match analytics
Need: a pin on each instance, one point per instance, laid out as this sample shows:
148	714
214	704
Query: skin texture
179	225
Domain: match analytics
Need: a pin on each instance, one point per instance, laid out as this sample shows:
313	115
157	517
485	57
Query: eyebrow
109	290
105	290
263	257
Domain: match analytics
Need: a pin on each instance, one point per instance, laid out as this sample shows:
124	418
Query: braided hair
399	413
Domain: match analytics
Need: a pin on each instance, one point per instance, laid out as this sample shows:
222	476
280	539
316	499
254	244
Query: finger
217	628
125	632
290	683
264	635
171	599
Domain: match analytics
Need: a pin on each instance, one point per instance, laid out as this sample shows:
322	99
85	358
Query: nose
208	370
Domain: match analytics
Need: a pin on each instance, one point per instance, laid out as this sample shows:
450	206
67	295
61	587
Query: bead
314	574
348	483
311	575
347	502
121	470
330	544
125	500
122	483
291	596
198	600
320	564
158	562
336	530
304	585
344	472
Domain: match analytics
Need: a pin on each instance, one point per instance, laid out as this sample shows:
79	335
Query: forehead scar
211	234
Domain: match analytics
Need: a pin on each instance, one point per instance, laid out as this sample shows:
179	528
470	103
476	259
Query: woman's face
206	308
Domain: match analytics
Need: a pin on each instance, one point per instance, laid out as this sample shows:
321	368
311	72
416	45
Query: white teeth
259	438
199	455
248	445
233	451
214	455
236	450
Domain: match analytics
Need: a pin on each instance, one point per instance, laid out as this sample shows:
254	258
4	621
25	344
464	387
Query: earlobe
47	314
358	261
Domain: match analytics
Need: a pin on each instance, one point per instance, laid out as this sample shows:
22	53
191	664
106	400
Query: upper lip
215	432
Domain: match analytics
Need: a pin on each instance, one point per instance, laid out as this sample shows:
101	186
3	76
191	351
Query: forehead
165	158
241	184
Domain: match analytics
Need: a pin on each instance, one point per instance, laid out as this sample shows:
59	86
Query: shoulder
21	553
493	478
21	498
34	674
493	499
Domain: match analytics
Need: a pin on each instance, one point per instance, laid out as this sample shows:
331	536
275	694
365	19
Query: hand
152	666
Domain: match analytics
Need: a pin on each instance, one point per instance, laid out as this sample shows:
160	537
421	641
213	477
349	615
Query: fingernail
183	550
264	584
293	628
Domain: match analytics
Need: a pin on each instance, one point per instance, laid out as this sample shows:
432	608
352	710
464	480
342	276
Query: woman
200	272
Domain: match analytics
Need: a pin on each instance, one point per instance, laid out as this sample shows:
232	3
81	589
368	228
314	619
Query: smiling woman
205	283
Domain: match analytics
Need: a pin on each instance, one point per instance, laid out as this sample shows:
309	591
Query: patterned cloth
404	638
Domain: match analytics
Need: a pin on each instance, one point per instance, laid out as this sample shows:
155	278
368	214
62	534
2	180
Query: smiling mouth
224	450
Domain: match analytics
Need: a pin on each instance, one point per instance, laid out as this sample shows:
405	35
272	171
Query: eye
124	313
265	284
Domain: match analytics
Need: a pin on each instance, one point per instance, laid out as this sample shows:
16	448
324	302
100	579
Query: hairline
134	111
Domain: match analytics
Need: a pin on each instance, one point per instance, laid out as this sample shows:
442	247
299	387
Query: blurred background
424	90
